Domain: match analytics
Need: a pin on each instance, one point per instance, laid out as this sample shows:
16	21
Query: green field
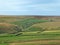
32	36
25	30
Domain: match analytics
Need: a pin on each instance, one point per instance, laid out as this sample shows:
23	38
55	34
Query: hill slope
8	28
45	26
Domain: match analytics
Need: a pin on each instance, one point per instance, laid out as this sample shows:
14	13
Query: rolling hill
9	28
46	26
28	30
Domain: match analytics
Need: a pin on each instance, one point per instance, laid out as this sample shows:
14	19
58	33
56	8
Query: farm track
42	42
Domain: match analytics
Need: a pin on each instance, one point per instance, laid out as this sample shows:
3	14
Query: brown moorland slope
9	28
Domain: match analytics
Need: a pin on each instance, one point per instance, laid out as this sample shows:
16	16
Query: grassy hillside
29	30
45	26
14	24
25	23
9	28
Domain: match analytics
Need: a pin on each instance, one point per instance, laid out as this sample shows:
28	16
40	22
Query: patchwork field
29	30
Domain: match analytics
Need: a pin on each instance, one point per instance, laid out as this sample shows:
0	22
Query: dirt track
37	42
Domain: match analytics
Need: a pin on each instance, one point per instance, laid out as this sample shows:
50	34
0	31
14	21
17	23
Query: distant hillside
10	19
54	18
13	24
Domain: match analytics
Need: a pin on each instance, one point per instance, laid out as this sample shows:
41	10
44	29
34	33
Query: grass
32	31
25	23
4	44
48	25
29	37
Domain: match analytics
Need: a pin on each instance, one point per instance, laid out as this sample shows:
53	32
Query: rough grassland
49	25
